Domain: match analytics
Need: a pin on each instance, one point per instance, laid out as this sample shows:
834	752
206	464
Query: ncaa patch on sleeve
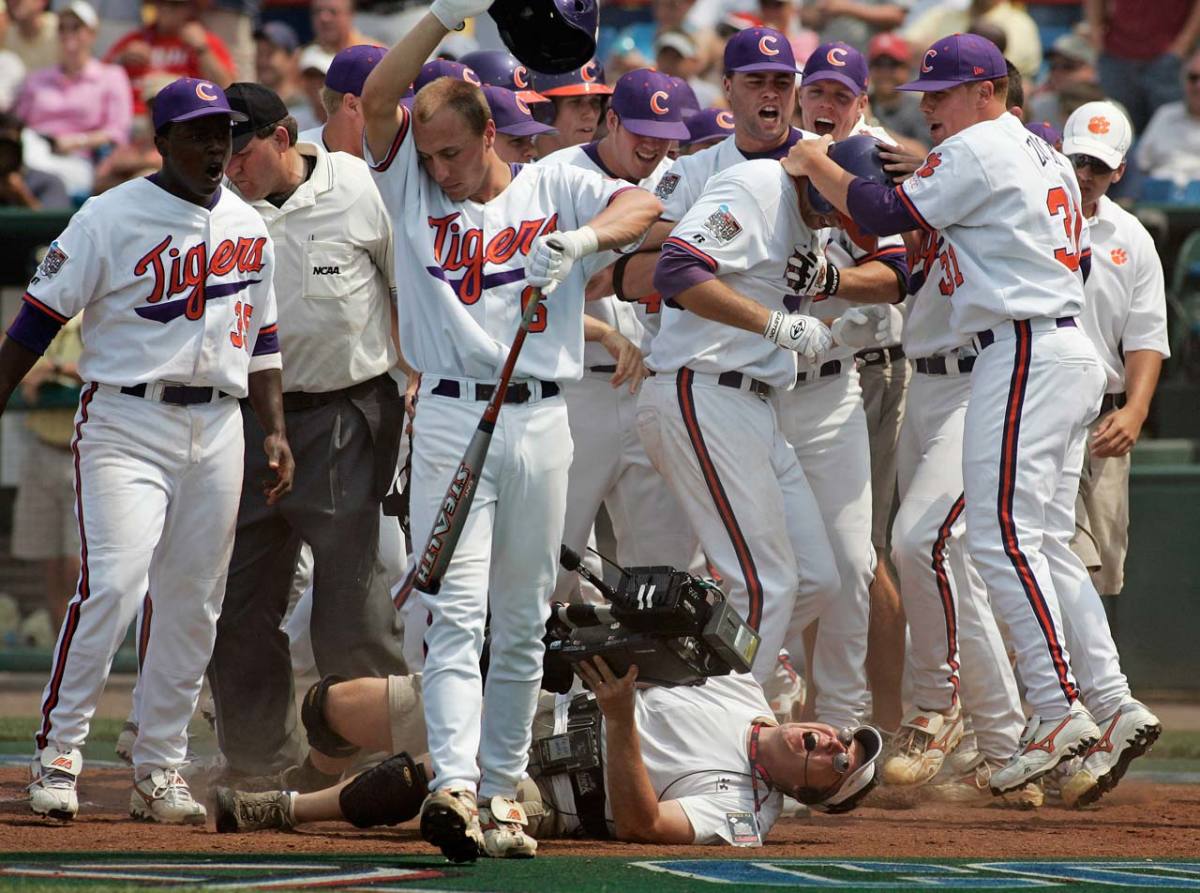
52	262
722	224
666	185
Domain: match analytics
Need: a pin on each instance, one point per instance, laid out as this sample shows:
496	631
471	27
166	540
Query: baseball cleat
125	741
239	812
503	824
1128	734
53	773
450	821
1044	744
920	746
163	796
970	785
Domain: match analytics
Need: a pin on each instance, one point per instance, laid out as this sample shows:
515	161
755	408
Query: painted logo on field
221	875
856	874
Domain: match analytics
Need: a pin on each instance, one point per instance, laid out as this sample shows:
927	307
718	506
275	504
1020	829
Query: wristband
618	277
833	280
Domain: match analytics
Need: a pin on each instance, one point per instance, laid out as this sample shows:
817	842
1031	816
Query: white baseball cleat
53	773
1128	734
503	824
450	821
163	796
967	782
921	745
125	742
1044	744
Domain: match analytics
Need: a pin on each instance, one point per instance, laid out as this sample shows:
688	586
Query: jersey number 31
1058	202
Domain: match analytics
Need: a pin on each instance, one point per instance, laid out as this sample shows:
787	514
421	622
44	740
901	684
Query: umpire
333	281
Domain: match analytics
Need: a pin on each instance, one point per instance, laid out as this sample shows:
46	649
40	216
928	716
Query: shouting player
483	236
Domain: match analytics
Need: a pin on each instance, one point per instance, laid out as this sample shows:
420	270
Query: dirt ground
1138	820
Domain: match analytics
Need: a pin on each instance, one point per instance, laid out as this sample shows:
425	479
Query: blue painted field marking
805	873
1180	875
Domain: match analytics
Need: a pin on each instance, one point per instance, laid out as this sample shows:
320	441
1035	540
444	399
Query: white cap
1099	129
312	56
83	11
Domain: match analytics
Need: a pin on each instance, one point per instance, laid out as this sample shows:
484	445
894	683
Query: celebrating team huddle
682	340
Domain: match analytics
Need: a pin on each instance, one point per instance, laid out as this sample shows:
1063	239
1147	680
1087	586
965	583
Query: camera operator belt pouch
576	754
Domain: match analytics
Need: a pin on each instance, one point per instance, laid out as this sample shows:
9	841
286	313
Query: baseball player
344	413
824	420
482	233
577	105
516	128
706	127
610	465
1125	317
172	274
1008	210
341	96
496	68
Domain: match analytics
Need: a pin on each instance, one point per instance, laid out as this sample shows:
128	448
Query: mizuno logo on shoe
1047	743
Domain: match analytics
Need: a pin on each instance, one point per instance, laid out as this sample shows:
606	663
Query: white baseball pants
722	453
1034	390
824	421
950	620
507	557
612	467
157	491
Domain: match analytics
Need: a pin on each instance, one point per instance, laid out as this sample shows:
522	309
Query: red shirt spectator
1131	33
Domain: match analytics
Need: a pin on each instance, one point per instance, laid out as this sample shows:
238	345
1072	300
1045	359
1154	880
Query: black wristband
618	275
833	280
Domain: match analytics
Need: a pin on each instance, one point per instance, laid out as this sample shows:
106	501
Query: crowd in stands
77	78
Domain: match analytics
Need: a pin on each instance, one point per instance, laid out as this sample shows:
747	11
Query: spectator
853	21
12	69
676	55
139	157
333	31
1024	44
175	44
232	21
899	113
314	63
117	18
276	65
1054	17
81	104
781	15
44	525
1072	60
1141	52
20	185
1170	146
33	34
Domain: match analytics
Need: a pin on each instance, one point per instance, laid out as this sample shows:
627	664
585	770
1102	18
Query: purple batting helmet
551	36
860	156
501	69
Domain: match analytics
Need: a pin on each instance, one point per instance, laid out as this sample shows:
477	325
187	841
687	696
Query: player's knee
912	541
819	575
320	712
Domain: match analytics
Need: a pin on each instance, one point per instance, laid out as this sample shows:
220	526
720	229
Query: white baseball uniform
1008	209
708	426
462	285
610	464
954	643
1126	310
172	294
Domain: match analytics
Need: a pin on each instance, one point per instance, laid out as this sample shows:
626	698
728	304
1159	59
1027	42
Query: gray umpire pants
345	452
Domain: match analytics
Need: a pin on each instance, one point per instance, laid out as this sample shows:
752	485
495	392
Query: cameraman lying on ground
692	764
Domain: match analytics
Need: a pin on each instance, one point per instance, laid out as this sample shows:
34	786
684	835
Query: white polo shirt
1126	306
333	275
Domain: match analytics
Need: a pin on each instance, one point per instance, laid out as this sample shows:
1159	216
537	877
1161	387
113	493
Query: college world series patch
52	262
722	224
666	185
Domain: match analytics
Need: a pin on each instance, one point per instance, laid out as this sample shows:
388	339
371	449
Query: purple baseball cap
1046	131
684	96
444	68
189	98
957	59
759	49
349	69
511	113
709	125
643	101
838	62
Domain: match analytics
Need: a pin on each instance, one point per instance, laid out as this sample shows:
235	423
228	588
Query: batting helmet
501	69
588	78
860	156
553	36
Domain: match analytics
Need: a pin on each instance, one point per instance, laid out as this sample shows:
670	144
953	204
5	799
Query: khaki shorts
1102	519
883	387
44	524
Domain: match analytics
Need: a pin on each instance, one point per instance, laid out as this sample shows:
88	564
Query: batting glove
806	335
809	273
454	13
552	256
877	325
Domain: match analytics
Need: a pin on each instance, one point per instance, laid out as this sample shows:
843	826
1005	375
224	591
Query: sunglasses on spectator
1095	165
1061	64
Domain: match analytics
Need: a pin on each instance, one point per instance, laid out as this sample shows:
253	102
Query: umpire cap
858	155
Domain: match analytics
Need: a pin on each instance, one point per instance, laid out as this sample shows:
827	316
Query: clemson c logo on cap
471	77
204	91
657	105
725	120
588	72
521	76
522	106
1098	124
836	56
926	67
766	45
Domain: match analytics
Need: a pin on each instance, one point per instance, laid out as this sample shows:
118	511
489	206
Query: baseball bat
456	504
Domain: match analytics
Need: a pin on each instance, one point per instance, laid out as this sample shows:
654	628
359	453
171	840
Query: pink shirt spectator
99	99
